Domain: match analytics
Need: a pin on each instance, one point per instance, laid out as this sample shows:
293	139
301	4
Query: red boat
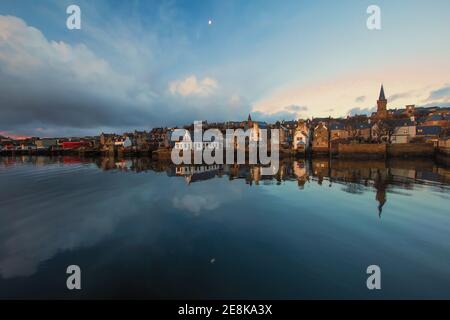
69	145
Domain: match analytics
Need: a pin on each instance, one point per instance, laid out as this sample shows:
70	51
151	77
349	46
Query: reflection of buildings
301	172
198	172
320	169
355	176
255	174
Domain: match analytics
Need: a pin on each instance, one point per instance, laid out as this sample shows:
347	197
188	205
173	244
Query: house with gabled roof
302	137
320	143
404	130
338	131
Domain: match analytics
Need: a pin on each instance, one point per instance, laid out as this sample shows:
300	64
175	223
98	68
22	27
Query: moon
210	22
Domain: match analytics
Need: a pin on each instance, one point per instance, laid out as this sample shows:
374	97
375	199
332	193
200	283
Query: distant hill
4	138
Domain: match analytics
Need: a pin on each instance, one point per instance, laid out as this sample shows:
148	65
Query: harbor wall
362	150
410	150
396	150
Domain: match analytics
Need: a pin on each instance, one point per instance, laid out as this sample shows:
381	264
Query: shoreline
165	154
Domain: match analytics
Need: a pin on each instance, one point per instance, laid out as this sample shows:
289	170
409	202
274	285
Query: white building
123	142
302	137
404	131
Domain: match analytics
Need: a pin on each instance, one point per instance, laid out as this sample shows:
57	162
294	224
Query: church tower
382	105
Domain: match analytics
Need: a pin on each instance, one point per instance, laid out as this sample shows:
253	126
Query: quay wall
397	150
445	151
345	151
361	150
411	150
320	150
443	156
162	154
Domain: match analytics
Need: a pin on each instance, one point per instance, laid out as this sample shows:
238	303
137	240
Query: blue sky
139	64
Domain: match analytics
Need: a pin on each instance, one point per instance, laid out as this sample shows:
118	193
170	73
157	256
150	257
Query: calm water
140	229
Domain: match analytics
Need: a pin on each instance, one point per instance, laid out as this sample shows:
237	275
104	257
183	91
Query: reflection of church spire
380	206
380	186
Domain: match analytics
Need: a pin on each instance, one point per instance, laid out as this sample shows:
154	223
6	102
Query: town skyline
163	63
423	130
374	114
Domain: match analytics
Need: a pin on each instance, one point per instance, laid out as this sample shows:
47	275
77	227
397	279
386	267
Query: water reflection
355	176
108	211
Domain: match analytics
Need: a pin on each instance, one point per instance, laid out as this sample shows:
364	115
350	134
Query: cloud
34	236
117	75
273	117
202	197
69	89
49	82
359	111
235	100
398	96
296	108
291	112
338	92
39	230
6	134
196	203
360	99
436	104
440	94
193	87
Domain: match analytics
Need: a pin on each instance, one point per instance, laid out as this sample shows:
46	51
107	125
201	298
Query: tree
383	131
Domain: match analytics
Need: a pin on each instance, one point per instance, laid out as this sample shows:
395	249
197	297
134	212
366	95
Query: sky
142	64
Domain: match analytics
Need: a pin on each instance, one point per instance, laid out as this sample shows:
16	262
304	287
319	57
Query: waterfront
145	229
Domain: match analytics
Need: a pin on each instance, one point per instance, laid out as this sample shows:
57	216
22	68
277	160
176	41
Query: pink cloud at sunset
406	84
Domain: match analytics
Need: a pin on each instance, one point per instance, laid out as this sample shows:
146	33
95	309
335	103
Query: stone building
46	143
320	139
107	142
140	141
338	131
160	138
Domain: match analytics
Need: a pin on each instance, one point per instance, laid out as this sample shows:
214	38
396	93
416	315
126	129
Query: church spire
382	97
382	105
249	117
